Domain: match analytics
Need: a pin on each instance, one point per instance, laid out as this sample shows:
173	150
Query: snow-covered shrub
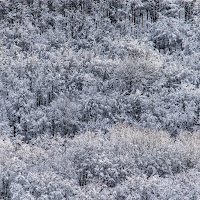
94	163
139	64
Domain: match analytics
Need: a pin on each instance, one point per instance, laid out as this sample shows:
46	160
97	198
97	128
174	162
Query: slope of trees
70	66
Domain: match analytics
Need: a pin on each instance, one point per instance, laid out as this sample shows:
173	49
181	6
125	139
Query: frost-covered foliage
72	69
126	163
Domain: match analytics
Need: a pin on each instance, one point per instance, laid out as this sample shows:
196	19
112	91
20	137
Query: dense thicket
126	163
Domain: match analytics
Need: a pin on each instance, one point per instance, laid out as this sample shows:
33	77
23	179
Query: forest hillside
72	69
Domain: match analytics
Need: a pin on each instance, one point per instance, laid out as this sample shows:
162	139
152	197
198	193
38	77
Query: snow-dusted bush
139	63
